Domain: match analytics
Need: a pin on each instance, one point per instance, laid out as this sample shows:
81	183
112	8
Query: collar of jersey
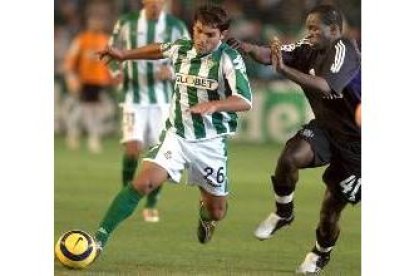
219	45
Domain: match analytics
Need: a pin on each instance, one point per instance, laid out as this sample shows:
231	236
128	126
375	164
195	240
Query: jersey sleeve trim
340	52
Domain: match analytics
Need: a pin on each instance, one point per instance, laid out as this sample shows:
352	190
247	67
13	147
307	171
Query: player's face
153	8
206	38
319	34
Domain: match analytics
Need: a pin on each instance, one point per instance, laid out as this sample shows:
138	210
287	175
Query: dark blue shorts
343	175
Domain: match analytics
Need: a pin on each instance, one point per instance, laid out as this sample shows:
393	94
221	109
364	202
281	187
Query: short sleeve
234	71
295	53
170	49
341	65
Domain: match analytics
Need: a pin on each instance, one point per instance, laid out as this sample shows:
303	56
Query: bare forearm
259	53
306	80
151	51
233	104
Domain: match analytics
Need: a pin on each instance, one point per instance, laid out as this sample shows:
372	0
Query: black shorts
91	93
343	175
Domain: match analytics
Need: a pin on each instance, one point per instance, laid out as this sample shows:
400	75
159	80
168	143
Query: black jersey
340	66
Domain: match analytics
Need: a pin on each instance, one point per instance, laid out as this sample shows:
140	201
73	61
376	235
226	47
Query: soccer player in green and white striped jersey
147	86
211	86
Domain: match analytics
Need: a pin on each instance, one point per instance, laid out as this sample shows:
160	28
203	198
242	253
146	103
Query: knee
217	212
143	185
132	150
288	161
296	155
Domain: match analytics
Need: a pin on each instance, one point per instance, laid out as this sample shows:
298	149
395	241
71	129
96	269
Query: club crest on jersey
196	81
209	63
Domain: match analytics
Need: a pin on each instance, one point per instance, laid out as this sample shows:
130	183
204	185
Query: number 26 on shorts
218	175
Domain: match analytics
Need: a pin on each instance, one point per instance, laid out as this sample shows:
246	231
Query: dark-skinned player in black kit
327	66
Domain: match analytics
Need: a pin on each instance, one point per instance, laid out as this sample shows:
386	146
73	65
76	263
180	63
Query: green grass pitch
85	185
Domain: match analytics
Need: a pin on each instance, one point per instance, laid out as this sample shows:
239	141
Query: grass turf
85	185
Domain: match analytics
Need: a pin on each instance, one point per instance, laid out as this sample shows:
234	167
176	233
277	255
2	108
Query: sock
283	198
204	214
324	245
129	165
122	207
153	197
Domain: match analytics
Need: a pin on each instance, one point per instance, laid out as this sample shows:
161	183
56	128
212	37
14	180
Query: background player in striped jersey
146	86
327	67
211	86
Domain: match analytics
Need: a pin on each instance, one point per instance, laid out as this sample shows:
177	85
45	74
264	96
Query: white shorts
143	123
205	160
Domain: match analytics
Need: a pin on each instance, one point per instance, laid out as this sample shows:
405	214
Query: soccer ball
76	249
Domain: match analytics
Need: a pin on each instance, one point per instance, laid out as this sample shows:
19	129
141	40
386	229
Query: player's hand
165	73
244	48
203	108
110	53
277	60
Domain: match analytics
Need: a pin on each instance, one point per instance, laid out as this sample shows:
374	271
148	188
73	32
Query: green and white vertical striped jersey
203	78
134	30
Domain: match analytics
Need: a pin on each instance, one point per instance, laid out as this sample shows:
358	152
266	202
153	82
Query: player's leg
132	140
163	161
208	171
93	126
158	115
91	116
212	209
150	177
308	148
132	149
343	181
71	112
99	115
327	234
108	112
297	154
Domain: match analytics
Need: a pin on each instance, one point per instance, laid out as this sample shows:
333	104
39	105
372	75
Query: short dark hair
213	16
329	15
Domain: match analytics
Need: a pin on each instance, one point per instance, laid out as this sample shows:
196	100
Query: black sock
324	244
283	208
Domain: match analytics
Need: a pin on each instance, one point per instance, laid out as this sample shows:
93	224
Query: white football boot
313	264
270	225
151	215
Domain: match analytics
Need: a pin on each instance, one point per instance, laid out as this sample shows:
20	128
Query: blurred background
279	106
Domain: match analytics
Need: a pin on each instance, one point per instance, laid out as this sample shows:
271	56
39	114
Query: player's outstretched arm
230	104
313	82
150	51
259	53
